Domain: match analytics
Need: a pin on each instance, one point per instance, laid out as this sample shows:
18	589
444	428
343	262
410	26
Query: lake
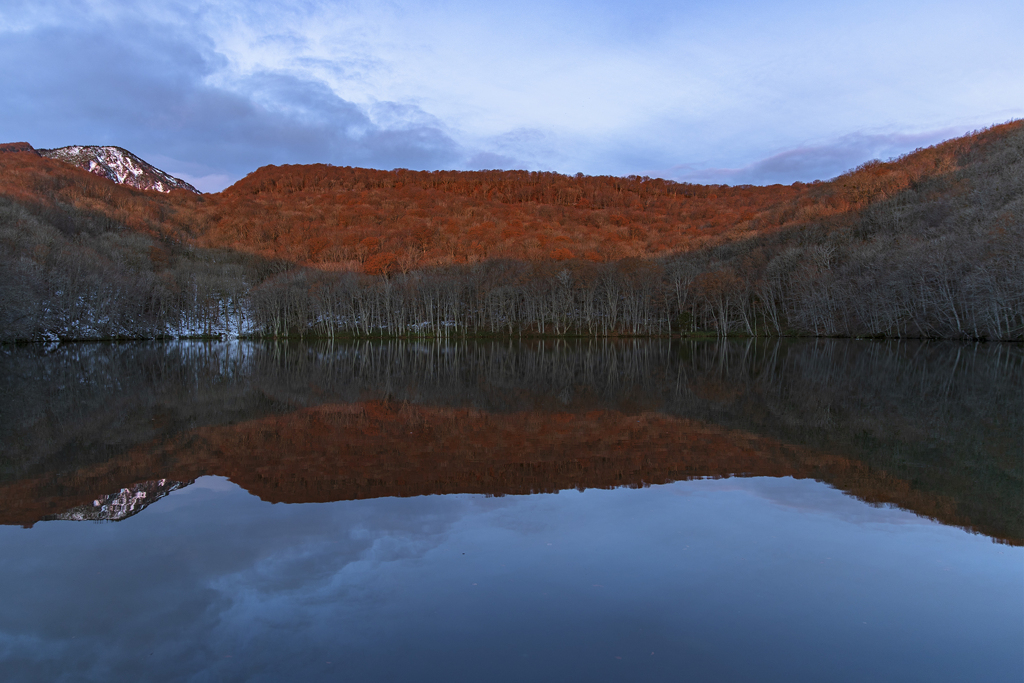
633	510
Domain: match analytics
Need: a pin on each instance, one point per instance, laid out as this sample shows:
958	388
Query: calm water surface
842	511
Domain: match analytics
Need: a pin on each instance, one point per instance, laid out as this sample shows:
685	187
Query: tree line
910	412
925	246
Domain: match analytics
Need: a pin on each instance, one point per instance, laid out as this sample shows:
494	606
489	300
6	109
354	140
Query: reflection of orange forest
376	449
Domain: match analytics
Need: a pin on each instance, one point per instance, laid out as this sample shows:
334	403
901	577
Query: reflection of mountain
121	505
376	449
921	426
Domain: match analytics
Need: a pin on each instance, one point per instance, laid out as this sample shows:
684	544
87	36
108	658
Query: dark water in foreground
842	511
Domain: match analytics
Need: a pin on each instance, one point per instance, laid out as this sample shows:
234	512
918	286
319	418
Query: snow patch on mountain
119	165
123	504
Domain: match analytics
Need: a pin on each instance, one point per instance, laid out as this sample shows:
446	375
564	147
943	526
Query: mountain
927	245
18	147
119	165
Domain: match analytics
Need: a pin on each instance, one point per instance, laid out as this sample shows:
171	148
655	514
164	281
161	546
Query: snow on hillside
123	504
119	165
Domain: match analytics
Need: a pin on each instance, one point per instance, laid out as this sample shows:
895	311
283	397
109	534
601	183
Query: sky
728	92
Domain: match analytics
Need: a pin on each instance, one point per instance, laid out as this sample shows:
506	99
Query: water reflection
748	552
121	505
927	426
724	580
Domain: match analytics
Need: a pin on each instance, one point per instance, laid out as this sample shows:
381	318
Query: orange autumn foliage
378	448
354	218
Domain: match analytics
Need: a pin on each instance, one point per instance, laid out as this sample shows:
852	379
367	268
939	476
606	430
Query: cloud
812	162
149	88
484	161
609	88
211	182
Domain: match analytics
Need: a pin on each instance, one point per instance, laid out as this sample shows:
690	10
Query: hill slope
119	165
925	245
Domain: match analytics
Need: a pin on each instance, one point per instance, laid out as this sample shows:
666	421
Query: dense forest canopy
926	245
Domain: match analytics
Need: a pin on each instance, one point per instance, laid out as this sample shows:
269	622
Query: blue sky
731	92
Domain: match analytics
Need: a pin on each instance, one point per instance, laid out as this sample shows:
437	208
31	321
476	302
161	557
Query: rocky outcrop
117	164
128	501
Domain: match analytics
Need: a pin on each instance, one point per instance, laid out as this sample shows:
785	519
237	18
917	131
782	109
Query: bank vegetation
925	246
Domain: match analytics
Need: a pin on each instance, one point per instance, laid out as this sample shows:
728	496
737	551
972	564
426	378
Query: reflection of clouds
808	495
222	586
218	572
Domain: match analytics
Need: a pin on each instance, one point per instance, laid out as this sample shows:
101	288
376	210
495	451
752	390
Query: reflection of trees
933	416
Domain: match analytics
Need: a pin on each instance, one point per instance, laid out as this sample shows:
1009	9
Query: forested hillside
928	245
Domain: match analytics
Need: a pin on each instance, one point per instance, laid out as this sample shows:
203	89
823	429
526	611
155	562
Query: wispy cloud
698	91
812	162
151	93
